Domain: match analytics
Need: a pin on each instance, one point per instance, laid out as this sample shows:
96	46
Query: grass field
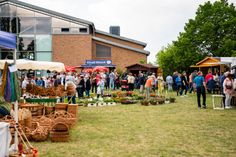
179	129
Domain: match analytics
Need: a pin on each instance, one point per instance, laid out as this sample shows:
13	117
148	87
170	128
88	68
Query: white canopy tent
23	64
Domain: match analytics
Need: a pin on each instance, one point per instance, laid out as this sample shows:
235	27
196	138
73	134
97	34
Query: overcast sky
155	22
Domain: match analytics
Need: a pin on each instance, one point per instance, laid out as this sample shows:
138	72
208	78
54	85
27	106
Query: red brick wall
121	57
120	41
71	50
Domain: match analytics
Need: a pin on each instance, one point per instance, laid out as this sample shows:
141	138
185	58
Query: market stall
24	64
24	123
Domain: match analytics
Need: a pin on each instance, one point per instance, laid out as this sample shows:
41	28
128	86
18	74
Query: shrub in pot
153	102
144	102
172	100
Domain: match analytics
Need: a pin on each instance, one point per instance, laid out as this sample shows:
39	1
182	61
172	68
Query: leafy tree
211	33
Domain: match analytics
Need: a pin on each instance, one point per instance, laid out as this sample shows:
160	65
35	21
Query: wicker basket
49	110
40	133
73	109
59	133
61	106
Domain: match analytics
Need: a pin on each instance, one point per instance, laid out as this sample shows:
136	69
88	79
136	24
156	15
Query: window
103	51
43	43
6	54
74	30
65	30
43	25
26	43
27	55
83	30
44	56
7	10
26	25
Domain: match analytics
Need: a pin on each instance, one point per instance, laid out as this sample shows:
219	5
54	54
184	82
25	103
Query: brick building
47	35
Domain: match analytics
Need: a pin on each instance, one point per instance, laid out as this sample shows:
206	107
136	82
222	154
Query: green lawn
179	129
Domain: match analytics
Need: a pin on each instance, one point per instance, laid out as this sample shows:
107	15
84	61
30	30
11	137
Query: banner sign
98	62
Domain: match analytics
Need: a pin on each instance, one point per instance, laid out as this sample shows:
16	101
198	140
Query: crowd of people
84	84
212	83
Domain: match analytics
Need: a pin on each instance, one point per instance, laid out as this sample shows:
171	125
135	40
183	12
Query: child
100	87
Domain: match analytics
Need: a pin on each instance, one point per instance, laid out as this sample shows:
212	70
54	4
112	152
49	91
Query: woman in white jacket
228	90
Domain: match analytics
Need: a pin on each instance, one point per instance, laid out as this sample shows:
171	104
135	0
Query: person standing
80	87
178	83
70	87
100	87
184	82
191	78
87	85
112	81
94	82
141	82
209	77
131	80
148	86
200	83
228	90
160	84
169	81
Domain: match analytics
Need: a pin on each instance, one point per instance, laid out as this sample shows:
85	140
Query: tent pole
16	112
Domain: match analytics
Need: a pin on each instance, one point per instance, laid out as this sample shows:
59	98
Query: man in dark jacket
184	82
87	86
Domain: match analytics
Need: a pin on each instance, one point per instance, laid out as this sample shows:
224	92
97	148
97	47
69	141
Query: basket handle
60	123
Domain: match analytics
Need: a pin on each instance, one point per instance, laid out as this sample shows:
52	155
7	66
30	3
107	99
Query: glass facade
34	31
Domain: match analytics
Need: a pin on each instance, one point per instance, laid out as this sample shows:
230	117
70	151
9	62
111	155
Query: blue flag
7	40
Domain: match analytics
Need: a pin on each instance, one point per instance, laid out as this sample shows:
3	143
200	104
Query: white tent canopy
23	64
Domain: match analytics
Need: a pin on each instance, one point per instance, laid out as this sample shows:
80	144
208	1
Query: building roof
57	14
49	11
120	45
149	66
211	59
121	38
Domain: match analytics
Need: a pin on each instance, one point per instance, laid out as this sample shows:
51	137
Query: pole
16	111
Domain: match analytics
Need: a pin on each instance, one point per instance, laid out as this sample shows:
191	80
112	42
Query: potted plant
153	102
129	93
114	95
140	97
172	100
127	101
81	102
144	102
108	101
92	103
152	95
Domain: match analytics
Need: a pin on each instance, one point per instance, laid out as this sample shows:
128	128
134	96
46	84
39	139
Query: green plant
144	102
153	101
114	95
140	97
172	100
108	100
92	101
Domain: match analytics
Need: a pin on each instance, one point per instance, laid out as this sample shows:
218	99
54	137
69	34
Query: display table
213	102
41	100
5	139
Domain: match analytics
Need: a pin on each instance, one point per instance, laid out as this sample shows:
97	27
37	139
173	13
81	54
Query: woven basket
61	106
49	110
60	127
60	138
59	133
40	133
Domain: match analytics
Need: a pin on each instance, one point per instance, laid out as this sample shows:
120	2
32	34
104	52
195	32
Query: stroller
124	85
